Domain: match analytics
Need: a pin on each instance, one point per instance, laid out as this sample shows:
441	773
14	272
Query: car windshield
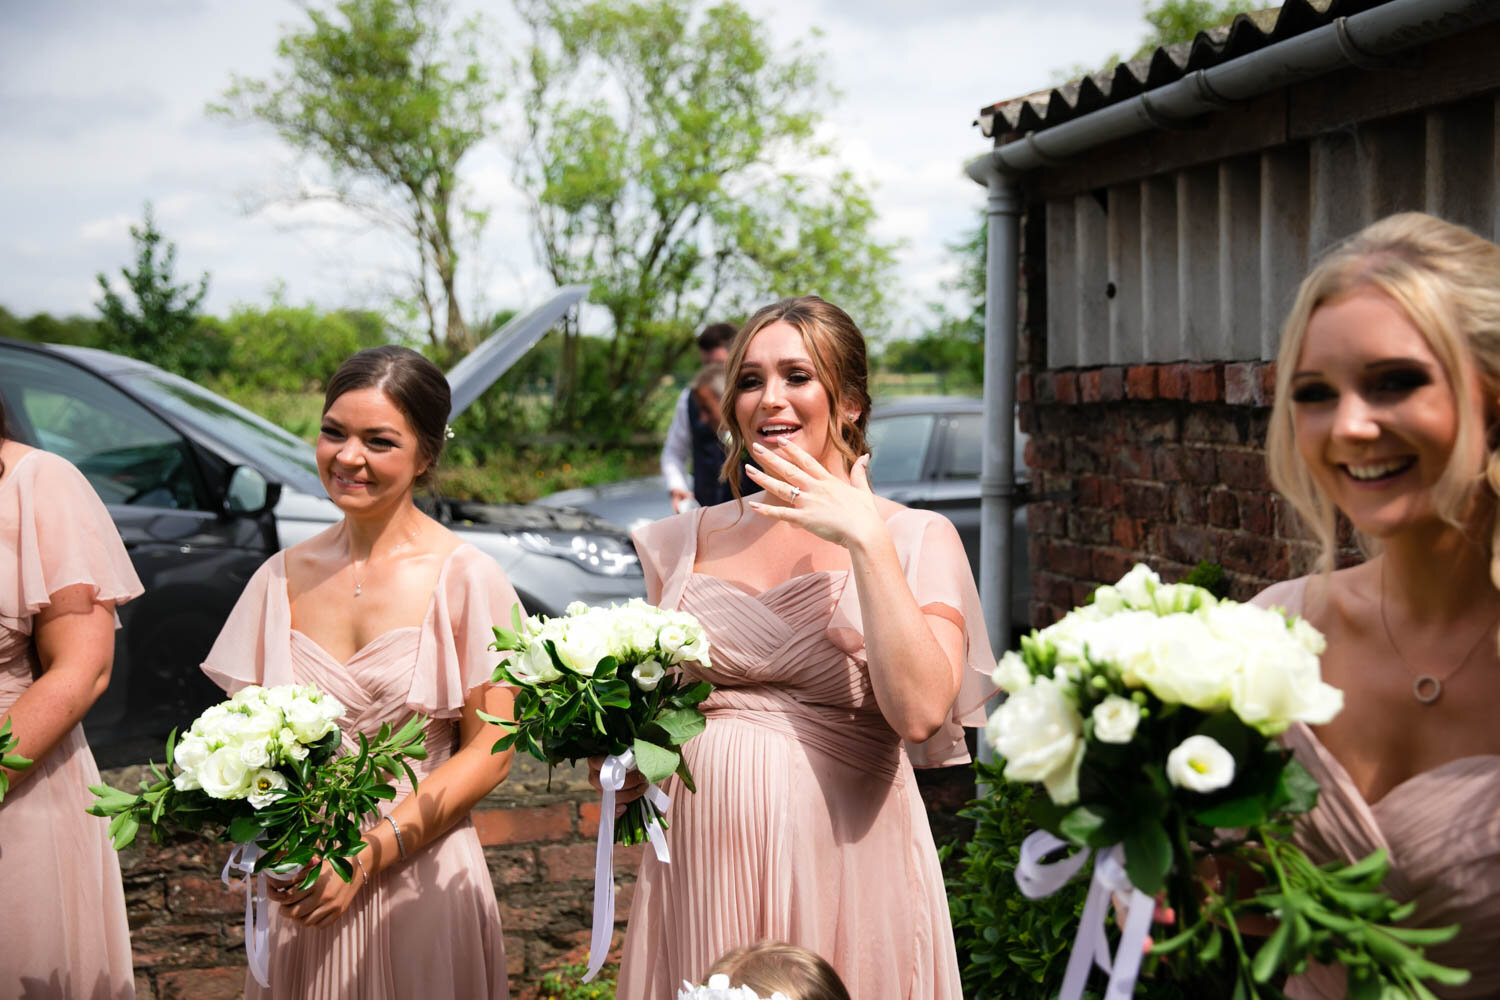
279	455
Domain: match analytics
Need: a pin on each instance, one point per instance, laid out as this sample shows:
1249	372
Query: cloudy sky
102	109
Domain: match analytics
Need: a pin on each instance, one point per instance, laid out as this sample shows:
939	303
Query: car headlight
607	555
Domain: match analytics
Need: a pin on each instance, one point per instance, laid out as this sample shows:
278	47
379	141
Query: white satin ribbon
1091	946
257	919
611	779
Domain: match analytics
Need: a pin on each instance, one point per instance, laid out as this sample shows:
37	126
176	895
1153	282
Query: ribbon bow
257	920
1091	946
611	779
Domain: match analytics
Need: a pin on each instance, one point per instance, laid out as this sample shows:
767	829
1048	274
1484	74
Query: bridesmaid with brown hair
845	628
63	571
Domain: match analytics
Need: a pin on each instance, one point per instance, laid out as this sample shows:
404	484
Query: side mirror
249	493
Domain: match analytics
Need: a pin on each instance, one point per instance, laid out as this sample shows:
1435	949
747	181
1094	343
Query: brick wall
1162	464
538	836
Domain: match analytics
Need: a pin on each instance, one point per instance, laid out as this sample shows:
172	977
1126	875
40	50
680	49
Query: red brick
1044	518
178	945
1083	591
1185	463
1110	565
1026	418
1089	387
1148	500
523	826
1211	425
1130	461
1085	456
1128	534
1189	544
1268	382
1090	527
1189	504
1223	509
1172	381
201	984
1205	383
1054	590
1288	521
1111	384
1111	494
588	818
1068	560
1065	387
1255	513
1242	385
1244	470
192	896
1023	387
567	862
1044	387
511	866
515	957
1267	558
1140	382
1088	491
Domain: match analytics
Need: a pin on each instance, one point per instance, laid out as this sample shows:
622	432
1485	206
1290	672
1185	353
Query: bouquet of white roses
599	682
1149	716
8	758
262	768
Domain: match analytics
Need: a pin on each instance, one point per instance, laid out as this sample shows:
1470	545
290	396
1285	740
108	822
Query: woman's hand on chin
816	500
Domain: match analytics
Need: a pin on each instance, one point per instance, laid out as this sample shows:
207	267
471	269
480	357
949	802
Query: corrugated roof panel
1245	34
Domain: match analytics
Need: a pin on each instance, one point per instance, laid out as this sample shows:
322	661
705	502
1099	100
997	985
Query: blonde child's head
770	970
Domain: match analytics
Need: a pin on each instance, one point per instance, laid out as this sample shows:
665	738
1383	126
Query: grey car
203	491
925	452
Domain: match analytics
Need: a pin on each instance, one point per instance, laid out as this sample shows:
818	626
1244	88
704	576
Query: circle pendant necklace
1428	688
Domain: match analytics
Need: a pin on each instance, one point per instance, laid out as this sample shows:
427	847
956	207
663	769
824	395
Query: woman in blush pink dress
1388	412
63	570
844	628
391	613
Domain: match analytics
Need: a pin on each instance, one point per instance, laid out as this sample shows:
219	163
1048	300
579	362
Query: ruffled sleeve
937	571
255	644
666	549
60	534
473	596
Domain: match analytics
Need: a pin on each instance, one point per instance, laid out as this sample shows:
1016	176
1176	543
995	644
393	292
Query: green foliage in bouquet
567	983
582	696
14	761
315	817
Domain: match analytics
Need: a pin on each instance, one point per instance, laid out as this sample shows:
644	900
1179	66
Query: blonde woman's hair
773	967
1447	282
837	349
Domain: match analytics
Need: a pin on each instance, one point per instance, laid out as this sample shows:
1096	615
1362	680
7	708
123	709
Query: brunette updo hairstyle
837	349
3	434
1446	280
773	967
417	387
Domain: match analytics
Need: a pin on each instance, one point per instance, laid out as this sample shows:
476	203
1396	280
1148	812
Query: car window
128	454
963	447
898	447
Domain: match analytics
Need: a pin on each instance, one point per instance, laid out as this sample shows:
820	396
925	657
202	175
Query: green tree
1170	22
953	343
670	159
160	322
390	98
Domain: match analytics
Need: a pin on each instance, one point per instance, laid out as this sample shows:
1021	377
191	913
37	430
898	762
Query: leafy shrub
567	983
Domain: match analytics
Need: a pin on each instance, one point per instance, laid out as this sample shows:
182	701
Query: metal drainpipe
997	478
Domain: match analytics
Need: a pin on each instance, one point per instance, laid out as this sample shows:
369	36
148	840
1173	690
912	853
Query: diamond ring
796	492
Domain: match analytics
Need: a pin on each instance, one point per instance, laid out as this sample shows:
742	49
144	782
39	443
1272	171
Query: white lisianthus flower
1135	588
1200	764
1116	719
532	666
1040	734
1107	600
648	674
576	608
1011	673
307	720
289	747
266	787
224	774
671	639
695	649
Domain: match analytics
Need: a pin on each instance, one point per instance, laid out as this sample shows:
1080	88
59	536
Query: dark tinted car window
898	447
963	447
127	454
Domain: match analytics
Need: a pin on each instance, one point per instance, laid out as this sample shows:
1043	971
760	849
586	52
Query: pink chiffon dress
807	826
63	932
429	925
1441	829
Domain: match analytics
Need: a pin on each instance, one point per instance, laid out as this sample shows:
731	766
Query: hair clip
448	431
718	988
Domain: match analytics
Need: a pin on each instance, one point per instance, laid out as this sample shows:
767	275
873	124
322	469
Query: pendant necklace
1428	688
359	584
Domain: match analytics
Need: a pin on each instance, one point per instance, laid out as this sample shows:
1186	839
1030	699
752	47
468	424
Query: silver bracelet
366	880
401	847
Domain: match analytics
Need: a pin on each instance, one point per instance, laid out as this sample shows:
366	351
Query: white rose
1312	640
185	782
190	752
224	774
1200	764
259	722
1011	673
248	693
575	608
1040	734
648	674
1115	719
266	787
1186	664
254	754
1172	598
582	648
533	665
1136	586
286	740
1108	600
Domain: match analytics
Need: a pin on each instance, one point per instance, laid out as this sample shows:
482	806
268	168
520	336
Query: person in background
693	435
63	571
